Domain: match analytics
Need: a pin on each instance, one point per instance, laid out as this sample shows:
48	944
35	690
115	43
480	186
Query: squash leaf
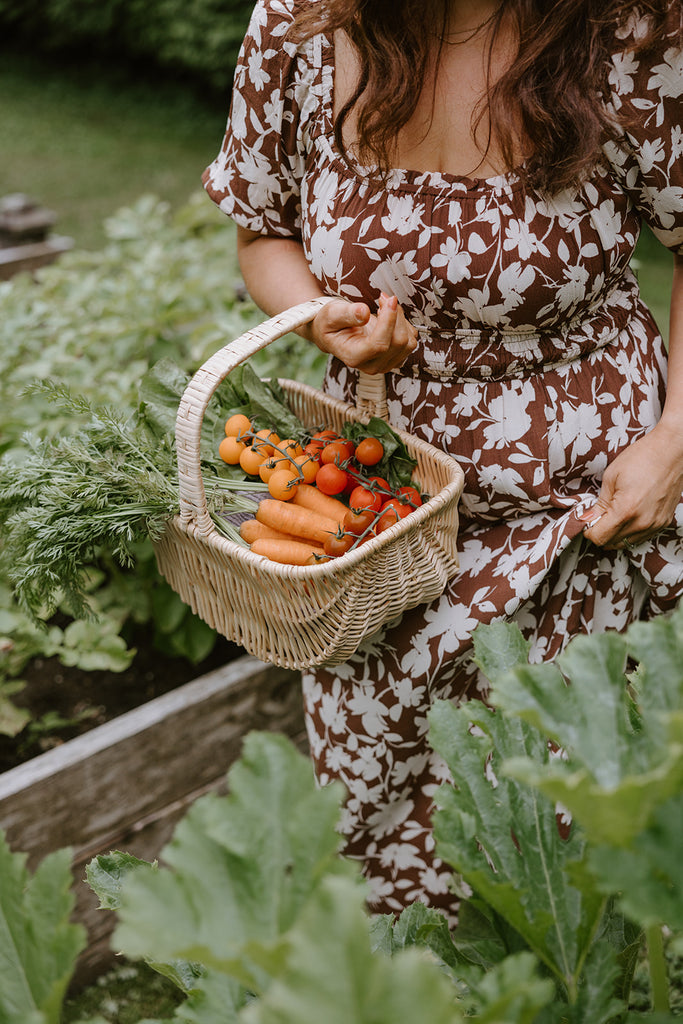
39	943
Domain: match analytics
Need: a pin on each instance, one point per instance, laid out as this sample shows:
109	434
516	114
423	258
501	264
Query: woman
469	178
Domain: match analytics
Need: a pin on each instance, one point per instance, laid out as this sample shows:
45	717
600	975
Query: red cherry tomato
390	515
338	544
331	479
335	451
382	486
369	451
362	497
409	495
358	521
402	509
325	436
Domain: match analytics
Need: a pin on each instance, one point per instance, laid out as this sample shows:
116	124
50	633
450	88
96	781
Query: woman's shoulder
638	68
275	17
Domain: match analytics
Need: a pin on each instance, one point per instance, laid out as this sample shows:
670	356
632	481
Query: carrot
308	496
288	552
252	529
292	519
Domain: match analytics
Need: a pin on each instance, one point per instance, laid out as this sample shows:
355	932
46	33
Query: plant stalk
659	981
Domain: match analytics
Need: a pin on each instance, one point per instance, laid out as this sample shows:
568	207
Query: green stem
658	977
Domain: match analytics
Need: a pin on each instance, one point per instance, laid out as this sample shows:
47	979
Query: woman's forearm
275	272
672	416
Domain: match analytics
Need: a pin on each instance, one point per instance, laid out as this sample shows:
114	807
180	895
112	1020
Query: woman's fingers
374	344
392	338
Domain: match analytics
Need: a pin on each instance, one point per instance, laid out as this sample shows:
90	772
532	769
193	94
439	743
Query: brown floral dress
537	364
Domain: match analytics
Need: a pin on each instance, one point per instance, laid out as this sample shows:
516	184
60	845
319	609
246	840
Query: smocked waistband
489	353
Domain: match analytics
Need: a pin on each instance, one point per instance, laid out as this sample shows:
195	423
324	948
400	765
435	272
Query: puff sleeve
256	177
647	97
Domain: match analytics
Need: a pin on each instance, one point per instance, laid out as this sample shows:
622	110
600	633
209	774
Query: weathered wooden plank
102	783
124	785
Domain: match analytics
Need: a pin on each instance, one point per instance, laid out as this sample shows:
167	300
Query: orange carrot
308	496
252	529
292	519
288	552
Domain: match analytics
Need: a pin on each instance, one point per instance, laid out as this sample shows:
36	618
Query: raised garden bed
124	784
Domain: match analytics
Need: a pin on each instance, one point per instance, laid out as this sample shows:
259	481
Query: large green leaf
649	874
623	759
503	837
38	943
332	975
240	868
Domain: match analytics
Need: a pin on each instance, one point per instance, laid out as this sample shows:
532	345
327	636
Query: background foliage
200	39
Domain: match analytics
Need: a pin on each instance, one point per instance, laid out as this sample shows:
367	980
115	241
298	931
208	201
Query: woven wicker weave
299	616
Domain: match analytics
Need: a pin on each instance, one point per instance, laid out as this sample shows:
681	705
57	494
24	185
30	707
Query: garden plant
256	916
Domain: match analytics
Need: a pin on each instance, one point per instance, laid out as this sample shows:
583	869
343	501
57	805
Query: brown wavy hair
546	105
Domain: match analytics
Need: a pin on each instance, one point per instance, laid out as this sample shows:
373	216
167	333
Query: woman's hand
640	491
362	340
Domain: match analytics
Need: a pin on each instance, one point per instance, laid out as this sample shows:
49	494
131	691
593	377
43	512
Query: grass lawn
84	142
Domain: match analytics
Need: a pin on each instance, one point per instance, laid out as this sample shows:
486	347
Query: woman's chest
465	253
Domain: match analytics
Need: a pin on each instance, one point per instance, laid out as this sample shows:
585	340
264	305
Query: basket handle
371	400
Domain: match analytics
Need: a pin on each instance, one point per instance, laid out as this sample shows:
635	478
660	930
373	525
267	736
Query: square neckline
507	182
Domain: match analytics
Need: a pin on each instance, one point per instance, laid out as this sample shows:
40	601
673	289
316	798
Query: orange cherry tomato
264	440
230	450
237	425
290	448
306	467
251	461
369	451
283	484
270	466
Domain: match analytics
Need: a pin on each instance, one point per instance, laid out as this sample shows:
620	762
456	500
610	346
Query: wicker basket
300	616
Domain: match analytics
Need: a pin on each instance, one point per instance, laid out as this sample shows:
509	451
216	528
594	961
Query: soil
66	702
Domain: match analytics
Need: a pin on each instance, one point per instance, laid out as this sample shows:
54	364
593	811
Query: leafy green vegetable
504	840
38	943
397	464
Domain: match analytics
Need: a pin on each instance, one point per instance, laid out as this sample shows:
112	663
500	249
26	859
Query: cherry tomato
369	451
358	521
331	479
402	509
338	544
306	466
264	441
283	484
325	435
237	425
270	466
314	448
289	447
336	451
409	495
230	450
387	519
381	485
251	461
362	497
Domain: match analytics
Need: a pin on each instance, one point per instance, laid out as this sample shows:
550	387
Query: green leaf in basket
264	402
397	464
